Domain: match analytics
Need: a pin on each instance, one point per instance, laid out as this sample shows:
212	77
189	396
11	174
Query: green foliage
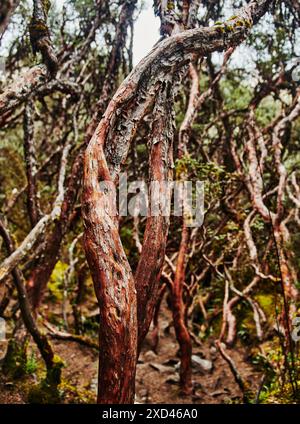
236	93
55	284
31	364
212	174
44	393
267	111
15	360
266	301
277	387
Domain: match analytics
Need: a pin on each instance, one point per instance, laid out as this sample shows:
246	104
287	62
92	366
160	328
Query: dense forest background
175	312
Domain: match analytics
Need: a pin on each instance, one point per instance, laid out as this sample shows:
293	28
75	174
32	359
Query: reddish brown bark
106	153
45	265
113	282
151	261
155	331
182	333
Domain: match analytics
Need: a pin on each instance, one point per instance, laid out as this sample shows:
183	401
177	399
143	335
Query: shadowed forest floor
157	374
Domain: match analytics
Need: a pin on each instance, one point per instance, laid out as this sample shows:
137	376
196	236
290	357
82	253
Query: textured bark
40	276
40	36
37	282
106	152
31	168
113	282
137	92
147	276
7	9
178	309
21	89
178	306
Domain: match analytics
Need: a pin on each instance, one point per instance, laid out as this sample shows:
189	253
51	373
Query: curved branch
107	151
21	89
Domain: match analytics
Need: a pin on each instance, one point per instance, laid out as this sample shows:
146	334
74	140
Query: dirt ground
157	374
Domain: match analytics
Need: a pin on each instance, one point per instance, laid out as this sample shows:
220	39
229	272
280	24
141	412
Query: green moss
232	23
46	6
229	28
44	393
275	393
48	390
54	374
55	284
266	301
15	361
170	5
72	394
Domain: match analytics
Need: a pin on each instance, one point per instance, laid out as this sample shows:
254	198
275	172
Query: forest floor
157	374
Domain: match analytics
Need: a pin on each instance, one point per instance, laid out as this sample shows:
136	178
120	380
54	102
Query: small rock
94	385
204	364
197	396
213	350
172	379
9	384
149	356
143	393
220	392
161	368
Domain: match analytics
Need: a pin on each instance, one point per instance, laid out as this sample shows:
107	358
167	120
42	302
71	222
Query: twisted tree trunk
107	151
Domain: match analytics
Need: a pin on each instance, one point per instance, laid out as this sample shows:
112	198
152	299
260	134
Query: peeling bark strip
147	276
113	282
133	97
40	36
46	263
107	151
7	8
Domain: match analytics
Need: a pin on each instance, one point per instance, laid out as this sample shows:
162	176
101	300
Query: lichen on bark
40	35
